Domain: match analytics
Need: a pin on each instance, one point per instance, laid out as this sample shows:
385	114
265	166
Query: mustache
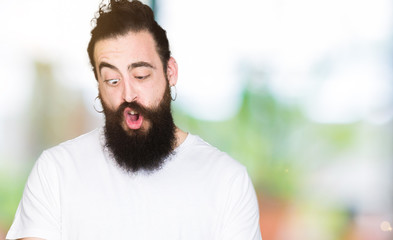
142	110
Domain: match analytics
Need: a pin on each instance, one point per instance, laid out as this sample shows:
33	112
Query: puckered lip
132	118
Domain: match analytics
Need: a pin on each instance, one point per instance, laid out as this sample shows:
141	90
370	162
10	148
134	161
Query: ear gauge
94	105
173	92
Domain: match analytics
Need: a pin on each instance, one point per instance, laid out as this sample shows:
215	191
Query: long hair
117	18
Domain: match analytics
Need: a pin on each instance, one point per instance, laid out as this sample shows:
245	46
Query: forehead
133	46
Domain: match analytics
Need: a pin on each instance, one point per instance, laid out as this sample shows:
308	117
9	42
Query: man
139	177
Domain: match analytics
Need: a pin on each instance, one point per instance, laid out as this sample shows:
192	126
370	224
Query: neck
180	136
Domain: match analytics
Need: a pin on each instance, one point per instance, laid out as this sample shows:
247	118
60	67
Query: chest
110	206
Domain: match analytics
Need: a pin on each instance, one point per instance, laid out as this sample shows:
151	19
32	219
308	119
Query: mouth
133	119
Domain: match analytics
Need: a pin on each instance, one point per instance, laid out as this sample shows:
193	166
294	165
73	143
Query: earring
173	93
94	105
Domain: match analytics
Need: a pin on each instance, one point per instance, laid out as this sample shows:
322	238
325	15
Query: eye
112	81
142	77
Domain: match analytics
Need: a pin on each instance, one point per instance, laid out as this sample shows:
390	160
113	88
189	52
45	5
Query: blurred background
299	91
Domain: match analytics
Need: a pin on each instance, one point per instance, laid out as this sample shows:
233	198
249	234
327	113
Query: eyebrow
130	67
140	64
105	64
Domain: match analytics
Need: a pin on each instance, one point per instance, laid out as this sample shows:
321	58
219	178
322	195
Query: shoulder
202	154
81	146
81	143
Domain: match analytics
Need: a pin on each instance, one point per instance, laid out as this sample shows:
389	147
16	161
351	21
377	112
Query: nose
130	92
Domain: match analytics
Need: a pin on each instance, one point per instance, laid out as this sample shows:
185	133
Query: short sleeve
38	213
241	210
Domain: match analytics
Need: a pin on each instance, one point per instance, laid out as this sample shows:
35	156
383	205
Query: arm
31	239
38	213
242	213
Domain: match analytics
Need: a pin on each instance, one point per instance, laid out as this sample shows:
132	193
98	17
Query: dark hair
119	17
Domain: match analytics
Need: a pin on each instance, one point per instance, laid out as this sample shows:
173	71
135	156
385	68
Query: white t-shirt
77	191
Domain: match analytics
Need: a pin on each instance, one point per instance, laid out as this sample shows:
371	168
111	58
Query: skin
123	74
130	69
32	239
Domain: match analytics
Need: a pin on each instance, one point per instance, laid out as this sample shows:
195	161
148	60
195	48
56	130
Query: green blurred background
300	92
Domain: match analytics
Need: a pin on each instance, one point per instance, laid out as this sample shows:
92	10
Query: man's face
134	92
129	69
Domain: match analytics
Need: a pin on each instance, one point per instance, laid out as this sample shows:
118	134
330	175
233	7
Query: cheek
110	98
158	94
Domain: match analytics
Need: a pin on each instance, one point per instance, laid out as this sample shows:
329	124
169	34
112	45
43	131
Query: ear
172	71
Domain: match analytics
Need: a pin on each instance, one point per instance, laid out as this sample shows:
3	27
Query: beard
141	149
